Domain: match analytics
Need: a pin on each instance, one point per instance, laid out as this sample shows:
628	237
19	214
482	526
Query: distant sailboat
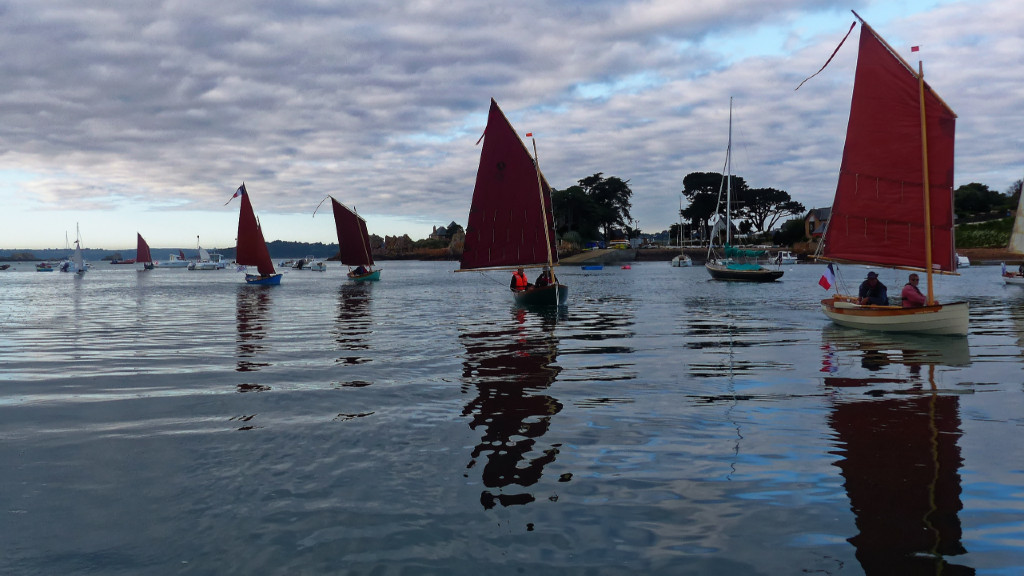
683	260
510	223
251	248
75	262
76	257
142	254
1016	246
354	243
894	203
739	265
206	260
174	261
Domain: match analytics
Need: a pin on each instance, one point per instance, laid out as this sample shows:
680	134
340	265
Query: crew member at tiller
872	291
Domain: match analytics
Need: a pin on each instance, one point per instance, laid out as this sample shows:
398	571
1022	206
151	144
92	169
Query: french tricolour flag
239	192
828	278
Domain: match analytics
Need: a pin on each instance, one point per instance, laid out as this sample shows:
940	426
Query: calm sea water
178	422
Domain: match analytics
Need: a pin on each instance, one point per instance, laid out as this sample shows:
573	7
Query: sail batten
884	143
507	188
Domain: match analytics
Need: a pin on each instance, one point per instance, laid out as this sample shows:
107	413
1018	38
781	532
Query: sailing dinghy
510	223
894	199
76	263
251	248
354	243
1016	246
143	255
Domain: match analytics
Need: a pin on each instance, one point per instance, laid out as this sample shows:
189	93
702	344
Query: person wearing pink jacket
912	297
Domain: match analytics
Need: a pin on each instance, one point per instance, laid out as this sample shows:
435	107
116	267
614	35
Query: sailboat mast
364	237
728	181
543	207
927	189
544	217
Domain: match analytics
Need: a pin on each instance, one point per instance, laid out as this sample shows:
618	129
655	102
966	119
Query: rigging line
852	24
321	204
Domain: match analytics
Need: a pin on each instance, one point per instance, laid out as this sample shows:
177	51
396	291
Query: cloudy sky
123	116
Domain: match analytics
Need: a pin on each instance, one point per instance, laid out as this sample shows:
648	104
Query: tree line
598	207
975	202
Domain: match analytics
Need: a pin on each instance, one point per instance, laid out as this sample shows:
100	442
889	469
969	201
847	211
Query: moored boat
681	261
206	260
738	265
785	257
173	261
76	263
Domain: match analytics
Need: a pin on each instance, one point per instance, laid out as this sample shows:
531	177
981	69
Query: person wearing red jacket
519	281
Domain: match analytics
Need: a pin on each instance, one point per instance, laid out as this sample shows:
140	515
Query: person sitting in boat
911	295
360	270
872	291
519	281
544	279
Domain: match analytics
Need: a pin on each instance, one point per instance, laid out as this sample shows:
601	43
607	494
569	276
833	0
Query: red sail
142	253
506	226
251	249
352	236
878	215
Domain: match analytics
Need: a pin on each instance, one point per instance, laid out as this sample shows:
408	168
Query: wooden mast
544	217
927	190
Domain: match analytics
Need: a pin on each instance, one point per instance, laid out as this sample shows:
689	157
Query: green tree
702	190
1014	193
611	196
764	207
574	211
974	198
674	232
791	232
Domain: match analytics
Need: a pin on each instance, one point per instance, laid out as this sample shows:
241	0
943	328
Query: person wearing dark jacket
872	291
544	279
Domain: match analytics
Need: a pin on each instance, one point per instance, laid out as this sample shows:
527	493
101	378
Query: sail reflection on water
509	368
897	434
354	323
252	304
